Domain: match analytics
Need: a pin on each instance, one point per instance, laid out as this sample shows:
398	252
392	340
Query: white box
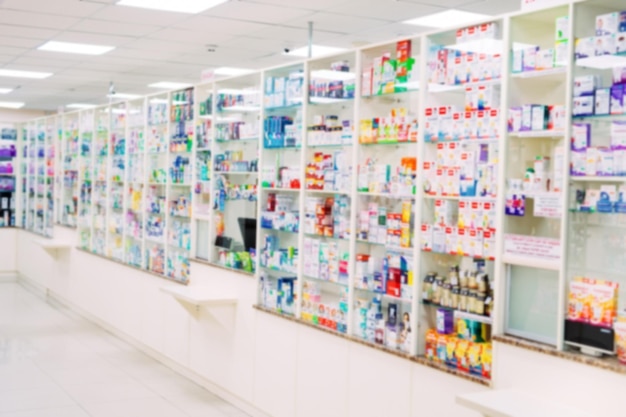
585	47
562	28
607	24
585	85
605	45
603	101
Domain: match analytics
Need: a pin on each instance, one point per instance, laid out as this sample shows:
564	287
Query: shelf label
543	248
207	75
541	4
548	205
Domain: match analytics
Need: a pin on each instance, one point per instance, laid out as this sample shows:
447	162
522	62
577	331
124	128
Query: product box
618	135
527	118
592	162
517	61
562	29
607	24
617	99
558	174
539	115
578	163
439	239
515	119
603	101
561	53
585	85
489	245
585	47
451	240
619	75
445	321
581	136
545	59
469	125
530	58
493	125
583	106
557	117
620	42
367	78
605	45
476	215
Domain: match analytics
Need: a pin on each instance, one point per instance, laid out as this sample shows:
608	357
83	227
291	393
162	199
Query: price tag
548	205
532	247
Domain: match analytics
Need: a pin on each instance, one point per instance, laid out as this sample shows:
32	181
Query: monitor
247	227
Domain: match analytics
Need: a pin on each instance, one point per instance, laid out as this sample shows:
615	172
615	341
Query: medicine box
603	101
562	29
607	24
585	47
617	99
585	85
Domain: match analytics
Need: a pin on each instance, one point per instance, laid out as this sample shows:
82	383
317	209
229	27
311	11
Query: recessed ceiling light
123	95
169	85
447	19
24	74
181	6
75	48
80	106
5	90
318	50
11	104
232	71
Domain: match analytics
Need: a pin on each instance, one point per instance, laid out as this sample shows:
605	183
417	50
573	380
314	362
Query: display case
8	174
462	130
69	193
86	120
595	285
237	127
100	181
535	169
135	184
281	196
180	183
385	257
117	176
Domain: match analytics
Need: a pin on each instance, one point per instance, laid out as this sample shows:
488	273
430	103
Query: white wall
280	367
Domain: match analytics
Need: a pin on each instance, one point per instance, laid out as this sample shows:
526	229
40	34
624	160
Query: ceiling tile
10	50
36	20
140	16
206	24
334	22
151	55
492	7
182	35
306	4
441	3
386	9
27	32
20	42
256	44
114	28
162	46
56	7
251	11
294	37
35	53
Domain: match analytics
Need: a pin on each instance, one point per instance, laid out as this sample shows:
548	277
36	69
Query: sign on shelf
543	248
548	205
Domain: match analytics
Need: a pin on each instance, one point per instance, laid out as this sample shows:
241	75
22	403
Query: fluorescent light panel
232	71
180	6
447	19
318	50
24	74
123	95
80	106
75	48
169	85
11	104
5	90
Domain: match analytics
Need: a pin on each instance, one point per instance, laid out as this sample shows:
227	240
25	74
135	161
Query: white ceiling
154	46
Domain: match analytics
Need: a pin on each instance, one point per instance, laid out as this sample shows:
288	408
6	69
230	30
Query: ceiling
153	46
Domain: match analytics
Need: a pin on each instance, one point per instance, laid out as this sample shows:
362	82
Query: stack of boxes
389	76
610	37
249	99
276	258
536	117
454	67
329	172
591	99
533	58
324	261
467	229
391	275
281	132
607	161
398	127
332	316
281	213
465	351
328	130
371	326
377	178
341	88
377	225
284	91
279	297
328	217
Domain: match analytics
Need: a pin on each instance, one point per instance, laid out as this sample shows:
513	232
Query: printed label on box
532	247
548	205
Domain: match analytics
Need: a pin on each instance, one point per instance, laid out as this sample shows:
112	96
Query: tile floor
56	364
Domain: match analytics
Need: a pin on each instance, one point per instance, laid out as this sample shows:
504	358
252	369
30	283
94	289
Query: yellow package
620	340
450	350
461	354
431	344
486	359
474	357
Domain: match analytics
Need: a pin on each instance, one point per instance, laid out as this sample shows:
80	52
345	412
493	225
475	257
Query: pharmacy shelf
552	74
200	296
386	195
458	314
597	179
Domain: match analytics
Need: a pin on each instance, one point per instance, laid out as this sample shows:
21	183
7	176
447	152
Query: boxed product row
389	76
607	199
537	117
474	358
467	214
610	31
371	326
331	172
281	213
329	217
338	82
325	261
468	242
279	296
241	261
248	98
236	131
593	301
377	225
331	315
398	127
591	99
445	124
328	130
281	132
281	176
233	161
391	275
533	58
276	258
377	177
284	91
600	160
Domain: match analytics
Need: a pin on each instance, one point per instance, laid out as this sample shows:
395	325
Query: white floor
55	364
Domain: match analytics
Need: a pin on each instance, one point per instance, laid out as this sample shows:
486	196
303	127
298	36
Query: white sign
207	75
548	205
532	247
541	4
